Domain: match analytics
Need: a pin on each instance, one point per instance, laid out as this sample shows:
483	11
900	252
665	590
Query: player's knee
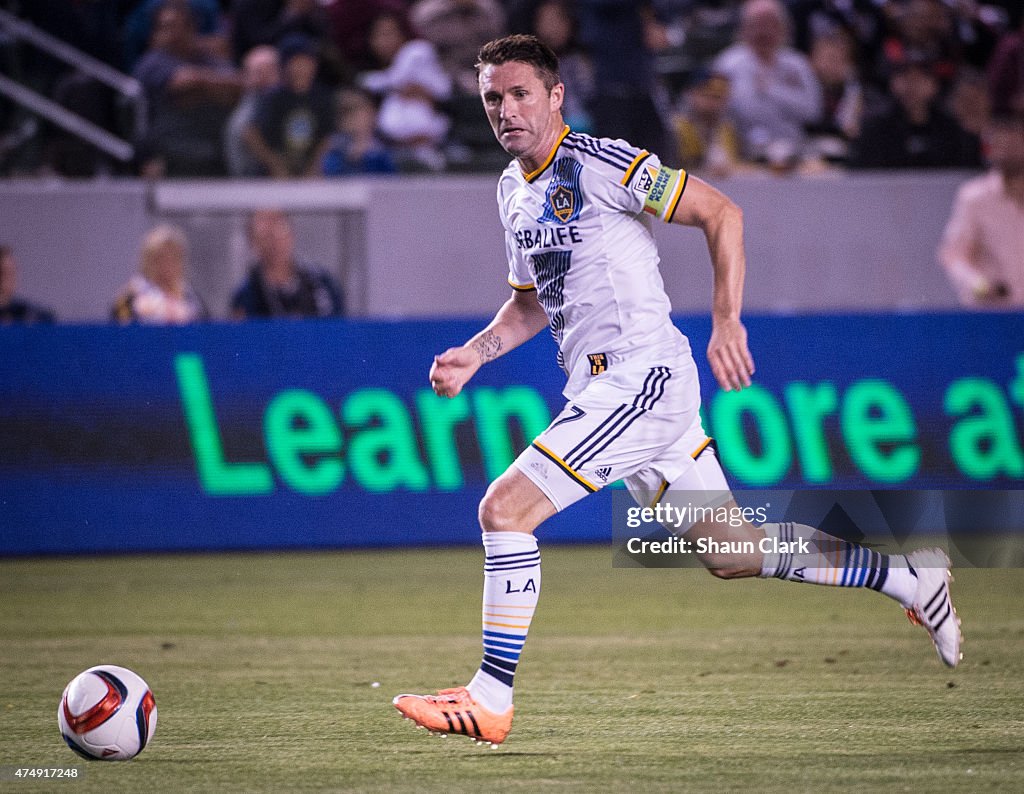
497	511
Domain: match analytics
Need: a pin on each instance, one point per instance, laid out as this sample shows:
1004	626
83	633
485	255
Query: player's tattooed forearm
488	346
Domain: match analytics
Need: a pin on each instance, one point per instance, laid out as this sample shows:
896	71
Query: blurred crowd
279	281
328	88
290	88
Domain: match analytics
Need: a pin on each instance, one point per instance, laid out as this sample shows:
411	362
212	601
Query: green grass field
262	667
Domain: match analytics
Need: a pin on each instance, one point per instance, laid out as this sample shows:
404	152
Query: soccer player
582	260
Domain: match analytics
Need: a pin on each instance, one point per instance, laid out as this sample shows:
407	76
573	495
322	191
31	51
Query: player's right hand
452	370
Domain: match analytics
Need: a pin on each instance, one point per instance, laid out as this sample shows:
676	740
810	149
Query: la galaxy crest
563	200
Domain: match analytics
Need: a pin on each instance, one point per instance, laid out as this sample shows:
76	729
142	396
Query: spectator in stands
355	148
842	97
774	90
190	96
15	310
278	285
458	29
411	84
261	73
293	121
160	293
140	25
982	248
628	103
554	23
915	132
707	138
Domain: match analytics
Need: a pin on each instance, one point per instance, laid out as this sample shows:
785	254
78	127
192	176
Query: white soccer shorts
638	424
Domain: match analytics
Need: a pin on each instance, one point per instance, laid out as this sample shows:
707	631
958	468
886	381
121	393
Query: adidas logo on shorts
603	473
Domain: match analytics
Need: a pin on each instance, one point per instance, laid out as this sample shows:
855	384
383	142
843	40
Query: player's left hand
729	355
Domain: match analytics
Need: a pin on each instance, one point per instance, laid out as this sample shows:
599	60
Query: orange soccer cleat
455	711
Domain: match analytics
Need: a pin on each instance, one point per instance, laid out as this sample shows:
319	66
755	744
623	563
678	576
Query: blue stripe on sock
498	644
503	654
848	561
866	568
520	637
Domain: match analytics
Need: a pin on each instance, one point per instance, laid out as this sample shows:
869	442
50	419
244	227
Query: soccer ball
107	713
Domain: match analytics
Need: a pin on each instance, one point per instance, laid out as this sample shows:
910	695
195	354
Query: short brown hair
521	48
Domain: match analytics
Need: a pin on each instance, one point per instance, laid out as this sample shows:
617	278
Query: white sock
828	560
511	588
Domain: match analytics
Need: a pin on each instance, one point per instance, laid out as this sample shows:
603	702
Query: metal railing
127	87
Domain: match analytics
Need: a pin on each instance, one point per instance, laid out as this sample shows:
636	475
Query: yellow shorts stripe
696	453
660	493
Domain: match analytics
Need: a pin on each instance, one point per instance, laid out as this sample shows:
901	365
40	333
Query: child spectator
160	294
355	148
411	83
289	133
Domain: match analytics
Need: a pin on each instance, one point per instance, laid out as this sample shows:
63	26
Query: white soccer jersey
575	231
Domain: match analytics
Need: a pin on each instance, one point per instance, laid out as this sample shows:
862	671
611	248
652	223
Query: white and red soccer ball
107	713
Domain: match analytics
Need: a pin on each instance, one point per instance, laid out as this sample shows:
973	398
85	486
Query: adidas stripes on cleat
932	607
455	711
